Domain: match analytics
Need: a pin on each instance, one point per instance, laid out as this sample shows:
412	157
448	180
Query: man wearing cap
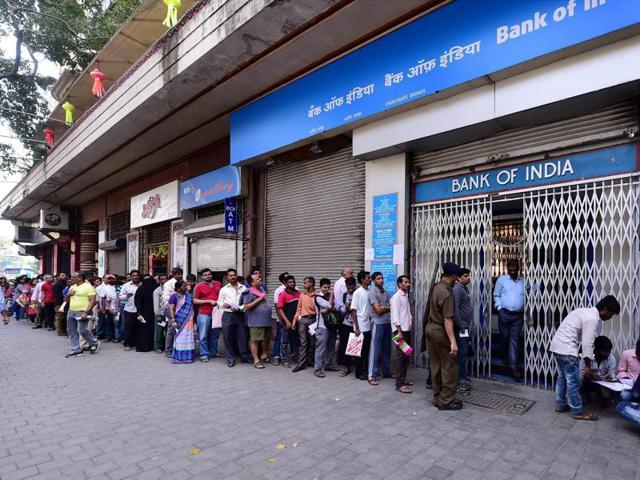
441	340
107	307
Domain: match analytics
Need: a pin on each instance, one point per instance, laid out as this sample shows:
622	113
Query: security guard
441	339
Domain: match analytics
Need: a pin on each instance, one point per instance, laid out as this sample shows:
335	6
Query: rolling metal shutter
315	217
599	129
218	254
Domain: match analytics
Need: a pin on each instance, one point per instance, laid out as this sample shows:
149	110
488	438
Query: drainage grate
496	401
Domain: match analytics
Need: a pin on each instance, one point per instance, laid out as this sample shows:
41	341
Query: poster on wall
155	206
385	225
133	246
178	245
101	253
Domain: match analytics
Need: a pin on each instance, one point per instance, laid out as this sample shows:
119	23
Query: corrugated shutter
315	217
585	132
218	254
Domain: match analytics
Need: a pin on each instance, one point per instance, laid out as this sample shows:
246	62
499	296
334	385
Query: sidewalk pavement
119	415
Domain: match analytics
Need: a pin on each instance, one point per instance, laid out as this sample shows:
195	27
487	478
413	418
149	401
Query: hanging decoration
172	13
68	108
98	83
48	137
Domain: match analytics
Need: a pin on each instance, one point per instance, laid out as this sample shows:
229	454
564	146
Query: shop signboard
155	206
133	246
570	168
211	187
230	215
459	42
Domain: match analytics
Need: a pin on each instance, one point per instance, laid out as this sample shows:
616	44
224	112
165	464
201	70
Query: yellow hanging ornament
172	13
68	108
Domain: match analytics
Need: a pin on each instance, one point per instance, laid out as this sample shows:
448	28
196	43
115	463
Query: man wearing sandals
578	328
401	322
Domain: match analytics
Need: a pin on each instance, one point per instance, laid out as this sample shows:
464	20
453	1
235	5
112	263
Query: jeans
77	328
380	350
118	325
463	350
277	343
207	336
628	407
106	327
234	332
510	325
568	383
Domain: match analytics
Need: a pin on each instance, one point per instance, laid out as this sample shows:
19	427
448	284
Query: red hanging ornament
98	85
48	137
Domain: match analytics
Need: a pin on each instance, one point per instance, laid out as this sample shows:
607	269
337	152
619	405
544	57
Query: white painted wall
604	67
387	175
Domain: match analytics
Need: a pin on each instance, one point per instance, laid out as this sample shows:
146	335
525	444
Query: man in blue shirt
508	298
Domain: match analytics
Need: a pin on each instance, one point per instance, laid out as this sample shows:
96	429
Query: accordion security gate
580	243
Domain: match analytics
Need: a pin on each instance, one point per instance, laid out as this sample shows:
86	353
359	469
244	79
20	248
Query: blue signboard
388	270
230	215
459	42
211	187
596	163
385	221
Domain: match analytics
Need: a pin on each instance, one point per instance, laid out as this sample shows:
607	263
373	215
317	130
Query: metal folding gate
580	242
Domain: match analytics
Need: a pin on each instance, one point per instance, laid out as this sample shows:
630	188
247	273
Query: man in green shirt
441	340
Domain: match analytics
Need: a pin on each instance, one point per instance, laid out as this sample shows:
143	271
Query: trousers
568	383
130	319
403	361
510	325
306	342
344	359
444	368
234	333
380	350
290	345
106	326
362	362
50	314
79	328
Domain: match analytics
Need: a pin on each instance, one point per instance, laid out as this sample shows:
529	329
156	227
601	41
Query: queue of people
184	319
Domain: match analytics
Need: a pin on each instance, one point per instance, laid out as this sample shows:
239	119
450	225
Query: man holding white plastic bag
361	308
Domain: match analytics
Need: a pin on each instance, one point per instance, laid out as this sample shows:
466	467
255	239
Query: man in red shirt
49	301
286	308
205	296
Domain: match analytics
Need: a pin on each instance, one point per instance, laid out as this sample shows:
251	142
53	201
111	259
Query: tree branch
48	15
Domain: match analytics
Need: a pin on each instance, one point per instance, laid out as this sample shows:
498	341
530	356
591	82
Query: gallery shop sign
459	42
596	163
155	206
211	187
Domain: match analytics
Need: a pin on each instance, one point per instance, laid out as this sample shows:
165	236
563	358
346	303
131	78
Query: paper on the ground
369	254
615	386
398	254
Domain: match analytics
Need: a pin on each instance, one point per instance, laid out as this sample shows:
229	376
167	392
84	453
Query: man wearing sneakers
81	299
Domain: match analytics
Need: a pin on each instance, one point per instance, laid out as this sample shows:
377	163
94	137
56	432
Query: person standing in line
118	321
205	298
324	309
107	308
36	300
361	316
61	317
277	344
463	315
339	290
128	293
578	329
160	322
346	327
508	299
81	299
401	324
258	312
181	314
441	339
146	316
234	331
305	316
49	302
286	309
192	280
167	290
22	285
380	352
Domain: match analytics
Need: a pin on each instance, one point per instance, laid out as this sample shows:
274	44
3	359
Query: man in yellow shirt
81	299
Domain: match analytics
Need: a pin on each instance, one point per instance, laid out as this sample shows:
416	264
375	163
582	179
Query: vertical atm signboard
230	215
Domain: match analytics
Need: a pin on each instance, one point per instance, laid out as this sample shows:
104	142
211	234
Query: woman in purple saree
181	310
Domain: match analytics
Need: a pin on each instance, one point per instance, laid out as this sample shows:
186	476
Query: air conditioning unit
54	220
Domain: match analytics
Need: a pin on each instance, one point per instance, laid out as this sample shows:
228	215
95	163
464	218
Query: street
119	415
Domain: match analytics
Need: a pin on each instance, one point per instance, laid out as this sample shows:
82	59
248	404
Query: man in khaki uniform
441	340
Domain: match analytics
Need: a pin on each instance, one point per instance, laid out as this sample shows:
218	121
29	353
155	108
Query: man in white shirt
401	323
361	309
578	328
107	308
128	293
234	330
339	288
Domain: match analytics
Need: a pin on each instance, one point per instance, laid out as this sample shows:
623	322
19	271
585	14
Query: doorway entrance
575	243
157	258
